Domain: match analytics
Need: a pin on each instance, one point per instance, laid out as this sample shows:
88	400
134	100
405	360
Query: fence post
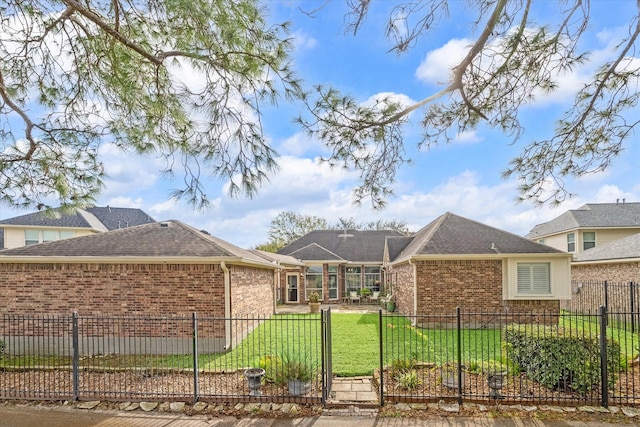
459	353
380	338
606	295
604	374
76	356
195	356
633	306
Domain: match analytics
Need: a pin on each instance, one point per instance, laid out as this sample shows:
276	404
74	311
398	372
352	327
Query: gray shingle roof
332	245
591	215
619	249
108	218
159	239
451	234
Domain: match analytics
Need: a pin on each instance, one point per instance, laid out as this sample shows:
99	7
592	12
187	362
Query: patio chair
353	296
375	297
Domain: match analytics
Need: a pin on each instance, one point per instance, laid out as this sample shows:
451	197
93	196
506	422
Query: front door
292	288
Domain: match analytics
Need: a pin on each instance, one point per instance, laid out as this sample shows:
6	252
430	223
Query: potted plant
449	375
389	302
298	373
314	302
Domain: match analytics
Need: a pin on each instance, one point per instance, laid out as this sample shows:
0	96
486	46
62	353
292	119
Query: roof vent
164	225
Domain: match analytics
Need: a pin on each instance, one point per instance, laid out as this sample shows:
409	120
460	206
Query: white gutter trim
227	305
9	259
443	257
606	261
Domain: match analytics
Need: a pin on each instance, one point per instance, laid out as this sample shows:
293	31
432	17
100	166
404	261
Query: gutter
415	289
227	305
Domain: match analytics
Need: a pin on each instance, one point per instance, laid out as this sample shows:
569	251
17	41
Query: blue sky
463	177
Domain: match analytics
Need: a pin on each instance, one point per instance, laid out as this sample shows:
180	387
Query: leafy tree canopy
76	73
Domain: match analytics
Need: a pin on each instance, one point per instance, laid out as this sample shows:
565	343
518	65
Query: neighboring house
451	262
49	226
617	261
589	226
336	262
159	269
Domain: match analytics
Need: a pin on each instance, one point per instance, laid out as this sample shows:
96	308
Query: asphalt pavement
58	416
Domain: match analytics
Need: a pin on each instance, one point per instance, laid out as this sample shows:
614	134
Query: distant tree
269	247
392	224
347	224
289	226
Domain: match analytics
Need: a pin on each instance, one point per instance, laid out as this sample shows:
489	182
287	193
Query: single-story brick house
451	262
159	269
454	261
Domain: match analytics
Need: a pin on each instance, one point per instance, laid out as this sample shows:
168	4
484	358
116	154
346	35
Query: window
333	281
542	242
313	281
353	278
372	278
588	240
534	278
571	242
33	237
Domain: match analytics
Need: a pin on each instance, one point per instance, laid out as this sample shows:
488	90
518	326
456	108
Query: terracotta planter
314	307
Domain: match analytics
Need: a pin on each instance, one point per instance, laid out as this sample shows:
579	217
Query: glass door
292	288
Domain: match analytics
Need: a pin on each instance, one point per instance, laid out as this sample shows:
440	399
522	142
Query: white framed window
588	240
372	278
571	242
33	237
534	278
353	278
313	281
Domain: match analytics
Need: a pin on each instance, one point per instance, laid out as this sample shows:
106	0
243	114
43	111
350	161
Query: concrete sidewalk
57	416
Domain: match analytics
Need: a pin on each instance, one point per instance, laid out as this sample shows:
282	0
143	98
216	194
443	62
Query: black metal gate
327	359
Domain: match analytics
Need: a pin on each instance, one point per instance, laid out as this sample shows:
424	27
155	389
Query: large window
534	278
353	278
588	240
313	281
372	278
571	242
33	237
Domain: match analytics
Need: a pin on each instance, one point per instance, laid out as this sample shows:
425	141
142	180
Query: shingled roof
591	215
340	245
450	234
619	249
167	239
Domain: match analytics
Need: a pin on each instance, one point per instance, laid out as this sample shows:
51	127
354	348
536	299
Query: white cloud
298	144
437	65
303	41
469	137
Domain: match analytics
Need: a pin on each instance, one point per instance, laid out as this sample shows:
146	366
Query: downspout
415	287
227	305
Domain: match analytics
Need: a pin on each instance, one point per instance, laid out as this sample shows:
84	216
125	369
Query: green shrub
559	358
408	379
401	365
273	369
2	345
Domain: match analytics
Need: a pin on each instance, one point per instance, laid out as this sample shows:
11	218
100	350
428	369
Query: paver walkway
353	390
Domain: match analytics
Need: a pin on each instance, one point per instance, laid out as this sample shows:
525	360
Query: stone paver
359	389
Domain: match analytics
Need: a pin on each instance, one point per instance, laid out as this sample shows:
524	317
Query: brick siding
443	285
615	272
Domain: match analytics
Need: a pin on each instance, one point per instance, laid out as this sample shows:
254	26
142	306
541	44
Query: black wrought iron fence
513	358
275	359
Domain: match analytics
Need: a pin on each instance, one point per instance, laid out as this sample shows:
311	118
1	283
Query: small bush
408	379
273	369
401	365
2	345
560	359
